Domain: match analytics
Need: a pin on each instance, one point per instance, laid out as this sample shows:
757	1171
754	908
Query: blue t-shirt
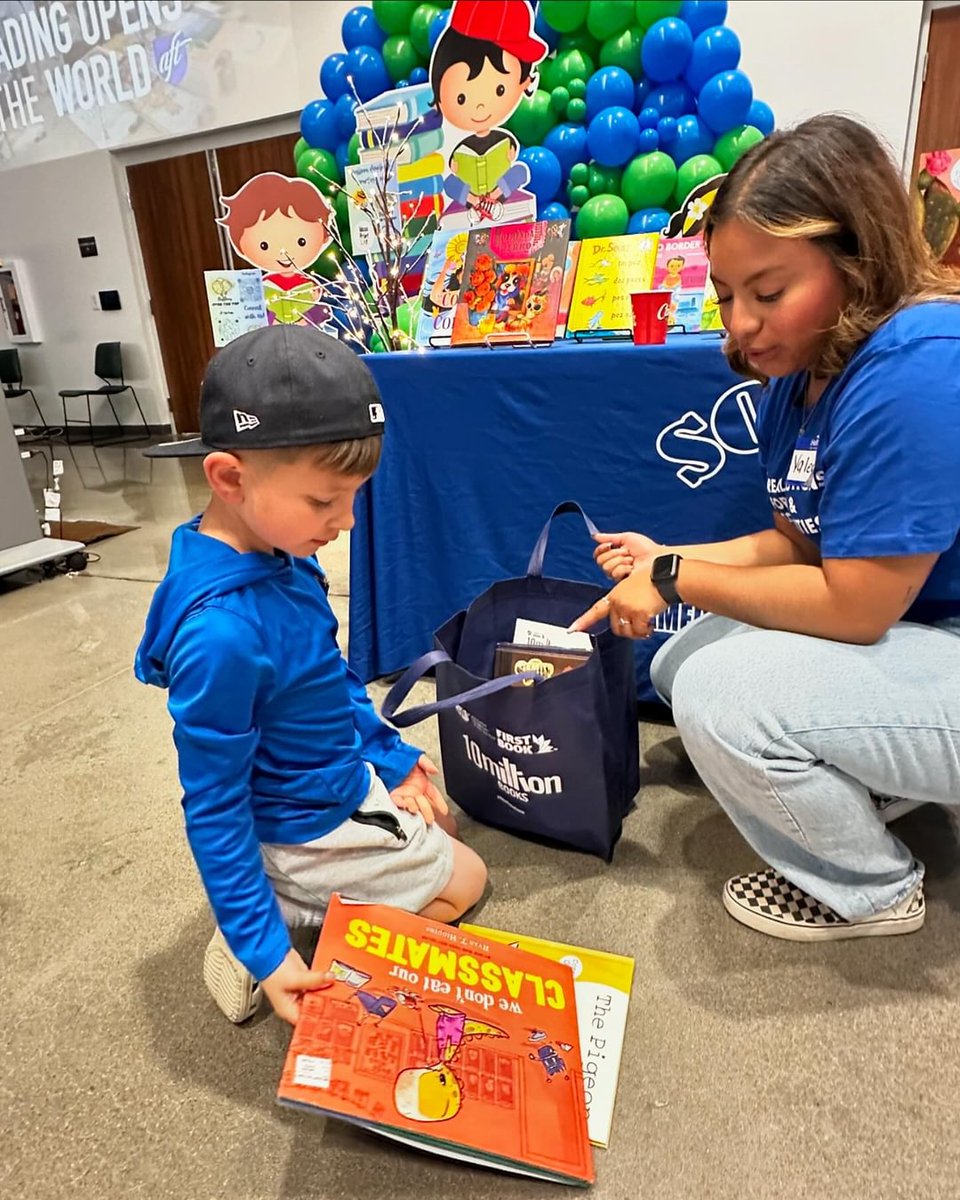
873	470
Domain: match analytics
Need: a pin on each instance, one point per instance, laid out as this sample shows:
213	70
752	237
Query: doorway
175	209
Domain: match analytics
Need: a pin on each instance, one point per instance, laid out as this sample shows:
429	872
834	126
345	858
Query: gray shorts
380	856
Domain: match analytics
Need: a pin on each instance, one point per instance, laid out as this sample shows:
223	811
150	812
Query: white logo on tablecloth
696	444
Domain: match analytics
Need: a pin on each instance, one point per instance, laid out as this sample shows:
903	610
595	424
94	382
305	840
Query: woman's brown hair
831	180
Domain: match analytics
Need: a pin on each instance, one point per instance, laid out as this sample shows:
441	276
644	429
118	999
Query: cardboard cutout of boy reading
282	225
482	66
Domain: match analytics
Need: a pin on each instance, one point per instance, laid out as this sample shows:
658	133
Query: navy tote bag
557	760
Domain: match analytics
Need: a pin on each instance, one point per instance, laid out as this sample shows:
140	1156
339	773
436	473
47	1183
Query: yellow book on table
602	983
480	172
609	270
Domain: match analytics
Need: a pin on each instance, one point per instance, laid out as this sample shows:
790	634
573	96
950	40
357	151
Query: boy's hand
285	987
418	794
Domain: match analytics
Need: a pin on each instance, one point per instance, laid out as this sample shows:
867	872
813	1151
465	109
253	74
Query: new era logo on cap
376	414
244	420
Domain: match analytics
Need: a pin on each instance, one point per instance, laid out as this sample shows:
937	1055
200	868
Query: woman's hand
630	607
620	554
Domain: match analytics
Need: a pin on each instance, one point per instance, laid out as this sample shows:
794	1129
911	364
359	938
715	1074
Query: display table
481	444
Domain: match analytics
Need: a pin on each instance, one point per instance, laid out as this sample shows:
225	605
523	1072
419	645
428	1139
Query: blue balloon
609	87
333	76
692	137
666	49
612	136
360	28
701	14
342	155
649	117
555	211
761	117
667	129
725	100
344	109
402	83
370	76
642	92
648	220
437	26
716	49
318	125
545	173
418	75
673	100
569	143
648	141
550	35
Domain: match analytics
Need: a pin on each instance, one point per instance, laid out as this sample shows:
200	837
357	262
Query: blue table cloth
481	445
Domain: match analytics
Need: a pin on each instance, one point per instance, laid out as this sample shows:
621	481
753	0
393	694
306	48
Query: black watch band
663	576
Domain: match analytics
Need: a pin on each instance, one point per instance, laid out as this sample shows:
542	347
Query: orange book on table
450	1042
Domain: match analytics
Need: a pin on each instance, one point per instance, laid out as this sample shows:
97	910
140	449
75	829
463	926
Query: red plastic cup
651	311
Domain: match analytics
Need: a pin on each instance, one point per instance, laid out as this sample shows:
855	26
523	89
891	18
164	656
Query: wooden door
176	226
938	125
176	215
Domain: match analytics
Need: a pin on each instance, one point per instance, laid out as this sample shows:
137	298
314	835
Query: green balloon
327	265
564	15
604	180
582	41
649	181
300	145
649	11
577	88
353	150
692	173
733	144
394	16
545	79
579	194
420	22
579	173
572	64
399	56
559	99
624	51
576	111
320	167
602	216
607	18
533	119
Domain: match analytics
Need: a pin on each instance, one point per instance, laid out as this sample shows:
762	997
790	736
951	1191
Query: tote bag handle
535	566
401	689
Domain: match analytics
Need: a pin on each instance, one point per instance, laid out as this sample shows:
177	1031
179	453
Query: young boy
293	786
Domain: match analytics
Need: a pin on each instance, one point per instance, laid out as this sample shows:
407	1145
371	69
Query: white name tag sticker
804	461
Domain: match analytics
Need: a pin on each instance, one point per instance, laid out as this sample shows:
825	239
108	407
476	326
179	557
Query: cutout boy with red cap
483	65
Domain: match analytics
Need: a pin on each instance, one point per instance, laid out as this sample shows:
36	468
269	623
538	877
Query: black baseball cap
283	385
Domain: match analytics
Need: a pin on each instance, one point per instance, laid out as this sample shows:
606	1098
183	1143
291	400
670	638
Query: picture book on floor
442	275
682	269
602	982
609	270
450	1041
512	278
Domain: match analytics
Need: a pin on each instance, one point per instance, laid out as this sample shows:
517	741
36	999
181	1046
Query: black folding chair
11	381
107	366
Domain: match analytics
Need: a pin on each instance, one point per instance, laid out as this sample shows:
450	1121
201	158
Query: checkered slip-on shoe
235	990
767	902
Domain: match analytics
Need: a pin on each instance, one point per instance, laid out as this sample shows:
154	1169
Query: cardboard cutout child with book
482	67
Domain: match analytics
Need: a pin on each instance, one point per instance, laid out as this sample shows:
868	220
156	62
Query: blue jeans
792	734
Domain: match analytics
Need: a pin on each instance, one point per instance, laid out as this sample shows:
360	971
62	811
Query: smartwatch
663	576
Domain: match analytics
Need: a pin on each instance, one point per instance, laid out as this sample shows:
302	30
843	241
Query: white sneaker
229	982
767	902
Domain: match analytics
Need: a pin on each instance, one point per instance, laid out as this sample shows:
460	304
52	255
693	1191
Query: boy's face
487	100
297	507
283	242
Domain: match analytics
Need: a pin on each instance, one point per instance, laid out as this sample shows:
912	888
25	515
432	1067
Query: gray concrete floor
752	1068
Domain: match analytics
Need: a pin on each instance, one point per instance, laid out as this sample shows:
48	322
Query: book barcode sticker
311	1071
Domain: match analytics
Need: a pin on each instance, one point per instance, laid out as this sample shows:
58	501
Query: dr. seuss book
442	275
432	1036
609	270
681	269
937	200
602	982
512	278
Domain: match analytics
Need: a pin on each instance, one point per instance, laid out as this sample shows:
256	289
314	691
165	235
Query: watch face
665	567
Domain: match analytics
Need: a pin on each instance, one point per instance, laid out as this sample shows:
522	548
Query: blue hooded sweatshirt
273	730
